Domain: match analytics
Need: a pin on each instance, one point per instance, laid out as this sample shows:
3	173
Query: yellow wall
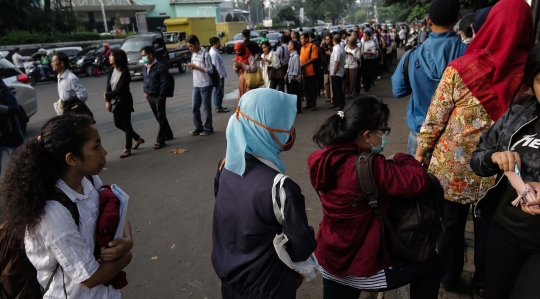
230	29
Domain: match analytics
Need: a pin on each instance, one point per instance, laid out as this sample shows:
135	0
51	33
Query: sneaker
196	132
222	110
206	133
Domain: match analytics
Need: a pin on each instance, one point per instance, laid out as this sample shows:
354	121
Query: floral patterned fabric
454	123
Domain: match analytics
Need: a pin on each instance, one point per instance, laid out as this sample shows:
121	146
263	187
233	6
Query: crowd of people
472	114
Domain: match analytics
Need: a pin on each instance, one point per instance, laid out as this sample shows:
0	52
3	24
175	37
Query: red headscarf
244	57
492	67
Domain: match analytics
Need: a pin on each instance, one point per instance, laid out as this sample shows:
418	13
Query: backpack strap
406	68
279	210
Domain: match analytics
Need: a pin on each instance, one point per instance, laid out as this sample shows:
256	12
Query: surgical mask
145	60
379	148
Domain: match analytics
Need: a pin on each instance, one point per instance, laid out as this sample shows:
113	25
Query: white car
19	85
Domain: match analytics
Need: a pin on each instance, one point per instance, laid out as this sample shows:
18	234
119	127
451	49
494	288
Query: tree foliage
288	14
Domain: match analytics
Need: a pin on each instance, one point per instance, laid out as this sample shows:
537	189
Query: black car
133	45
83	62
229	46
273	38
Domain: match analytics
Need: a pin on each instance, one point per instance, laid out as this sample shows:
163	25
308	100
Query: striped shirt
373	283
57	239
69	86
218	62
204	60
294	67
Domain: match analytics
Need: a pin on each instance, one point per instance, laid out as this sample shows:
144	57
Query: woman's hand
117	249
506	160
536	187
108	106
105	95
530	210
237	64
424	160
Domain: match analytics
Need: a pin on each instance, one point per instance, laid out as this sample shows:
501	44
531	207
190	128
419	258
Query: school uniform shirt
338	54
294	67
370	45
57	239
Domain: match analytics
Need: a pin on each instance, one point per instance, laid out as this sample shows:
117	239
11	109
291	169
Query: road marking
233	95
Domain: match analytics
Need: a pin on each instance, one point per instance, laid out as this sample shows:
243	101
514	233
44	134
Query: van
133	46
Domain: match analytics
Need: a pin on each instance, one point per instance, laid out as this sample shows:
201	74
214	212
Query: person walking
282	51
118	91
217	61
155	85
352	58
474	92
243	62
294	76
11	135
337	72
350	246
270	65
326	50
70	90
427	63
244	223
66	158
369	61
309	53
18	60
201	65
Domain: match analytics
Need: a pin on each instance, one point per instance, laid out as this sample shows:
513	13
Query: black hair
193	39
214	40
17	50
120	58
30	177
312	35
465	24
337	39
296	35
149	50
368	33
305	36
294	43
530	70
62	58
267	44
285	39
364	113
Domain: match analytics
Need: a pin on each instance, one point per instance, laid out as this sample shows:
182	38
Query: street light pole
104	17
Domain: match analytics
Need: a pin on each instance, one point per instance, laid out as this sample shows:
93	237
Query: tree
235	19
117	22
288	14
229	18
360	16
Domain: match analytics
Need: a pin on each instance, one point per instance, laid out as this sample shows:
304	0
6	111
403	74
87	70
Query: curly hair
30	177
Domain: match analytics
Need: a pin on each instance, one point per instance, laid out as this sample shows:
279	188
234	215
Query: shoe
138	143
159	145
306	107
332	107
169	138
222	110
206	133
378	77
196	132
480	293
314	109
126	153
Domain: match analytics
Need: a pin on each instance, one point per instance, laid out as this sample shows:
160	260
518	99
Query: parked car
133	46
70	52
253	36
82	63
18	83
334	28
273	38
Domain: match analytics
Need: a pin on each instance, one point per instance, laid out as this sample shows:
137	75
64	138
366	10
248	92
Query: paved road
172	195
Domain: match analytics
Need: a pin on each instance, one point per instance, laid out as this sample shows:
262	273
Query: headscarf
269	107
492	68
244	58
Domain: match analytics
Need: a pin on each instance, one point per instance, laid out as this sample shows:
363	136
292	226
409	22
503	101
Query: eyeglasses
385	130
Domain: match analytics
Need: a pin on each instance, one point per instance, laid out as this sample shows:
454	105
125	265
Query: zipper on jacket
502	176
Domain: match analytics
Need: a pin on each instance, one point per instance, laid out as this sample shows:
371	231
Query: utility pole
104	17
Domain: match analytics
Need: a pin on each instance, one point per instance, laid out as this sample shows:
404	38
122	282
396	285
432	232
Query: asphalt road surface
171	195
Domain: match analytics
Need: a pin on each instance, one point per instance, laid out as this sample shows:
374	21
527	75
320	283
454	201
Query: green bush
17	37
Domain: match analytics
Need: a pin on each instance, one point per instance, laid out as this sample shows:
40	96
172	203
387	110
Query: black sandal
159	145
138	143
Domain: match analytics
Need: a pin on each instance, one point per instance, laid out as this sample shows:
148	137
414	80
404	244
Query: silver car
19	85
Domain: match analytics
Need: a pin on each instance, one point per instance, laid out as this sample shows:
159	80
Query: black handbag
275	74
115	105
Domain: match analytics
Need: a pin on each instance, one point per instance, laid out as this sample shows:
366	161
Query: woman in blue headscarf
244	224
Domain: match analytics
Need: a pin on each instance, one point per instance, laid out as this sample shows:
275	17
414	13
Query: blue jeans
201	96
43	69
218	93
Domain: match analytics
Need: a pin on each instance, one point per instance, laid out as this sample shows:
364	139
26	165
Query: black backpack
317	66
18	277
170	83
414	225
215	74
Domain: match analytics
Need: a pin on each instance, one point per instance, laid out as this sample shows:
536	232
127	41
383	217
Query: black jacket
244	227
121	91
155	83
253	47
498	138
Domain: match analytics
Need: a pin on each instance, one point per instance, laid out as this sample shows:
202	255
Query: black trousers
452	244
158	108
122	120
369	69
295	88
310	90
513	265
337	90
282	82
423	277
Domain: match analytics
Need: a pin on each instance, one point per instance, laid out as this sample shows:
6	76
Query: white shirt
69	85
204	60
338	54
370	45
218	62
351	61
18	59
58	240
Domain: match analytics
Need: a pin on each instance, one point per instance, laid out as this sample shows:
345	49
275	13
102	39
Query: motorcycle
34	74
100	67
412	41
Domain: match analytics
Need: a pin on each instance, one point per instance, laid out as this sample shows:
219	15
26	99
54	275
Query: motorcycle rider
106	54
262	38
45	66
18	59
